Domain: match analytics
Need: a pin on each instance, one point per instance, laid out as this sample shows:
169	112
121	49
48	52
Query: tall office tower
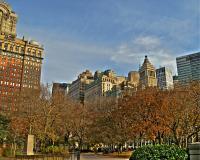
164	78
133	78
175	81
147	74
60	89
188	68
77	88
20	59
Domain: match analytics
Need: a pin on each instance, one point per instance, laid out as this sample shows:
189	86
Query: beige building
78	87
8	19
20	59
147	74
133	78
103	83
120	80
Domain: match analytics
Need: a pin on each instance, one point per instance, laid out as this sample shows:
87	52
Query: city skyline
108	34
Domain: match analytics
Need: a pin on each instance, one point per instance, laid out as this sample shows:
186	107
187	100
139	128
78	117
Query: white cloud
147	41
64	60
134	52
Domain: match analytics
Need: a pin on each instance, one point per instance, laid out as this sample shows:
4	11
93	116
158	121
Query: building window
11	48
29	50
5	46
17	48
22	50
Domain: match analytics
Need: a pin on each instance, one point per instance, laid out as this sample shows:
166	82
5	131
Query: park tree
145	110
182	114
4	126
103	127
18	129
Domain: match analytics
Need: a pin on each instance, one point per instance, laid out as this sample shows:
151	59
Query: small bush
7	152
159	152
55	150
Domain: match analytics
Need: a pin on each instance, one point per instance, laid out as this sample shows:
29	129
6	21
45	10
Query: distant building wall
77	88
134	77
188	67
102	84
60	88
164	78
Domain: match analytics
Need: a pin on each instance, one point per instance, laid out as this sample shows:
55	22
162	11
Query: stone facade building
133	78
103	83
20	59
147	75
78	87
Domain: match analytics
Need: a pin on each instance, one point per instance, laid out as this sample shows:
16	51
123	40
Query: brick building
20	59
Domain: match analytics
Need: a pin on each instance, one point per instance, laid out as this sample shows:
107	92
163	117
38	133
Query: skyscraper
60	89
188	68
147	74
78	87
133	78
164	78
20	59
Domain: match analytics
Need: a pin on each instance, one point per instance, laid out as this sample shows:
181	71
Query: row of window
31	68
20	49
34	63
7	93
108	80
9	75
9	83
11	70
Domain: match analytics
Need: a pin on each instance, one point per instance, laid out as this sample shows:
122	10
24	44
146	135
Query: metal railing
71	156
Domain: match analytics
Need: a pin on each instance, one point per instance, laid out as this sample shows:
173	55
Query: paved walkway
90	156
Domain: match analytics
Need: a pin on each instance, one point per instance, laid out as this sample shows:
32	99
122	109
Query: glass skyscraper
188	67
164	78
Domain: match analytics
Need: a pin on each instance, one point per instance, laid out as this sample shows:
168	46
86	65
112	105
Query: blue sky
108	34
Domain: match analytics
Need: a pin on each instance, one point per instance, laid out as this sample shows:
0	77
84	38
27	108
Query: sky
108	34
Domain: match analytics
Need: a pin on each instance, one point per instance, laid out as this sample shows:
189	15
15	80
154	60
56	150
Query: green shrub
55	150
7	152
159	152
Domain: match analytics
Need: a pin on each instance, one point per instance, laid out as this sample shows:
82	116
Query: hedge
159	152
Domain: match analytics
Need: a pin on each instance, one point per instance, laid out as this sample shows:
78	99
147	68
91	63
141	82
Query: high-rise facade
60	89
147	75
78	87
164	78
175	81
188	68
133	78
102	84
20	59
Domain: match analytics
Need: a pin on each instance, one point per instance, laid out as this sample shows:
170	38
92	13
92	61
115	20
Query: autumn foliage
141	117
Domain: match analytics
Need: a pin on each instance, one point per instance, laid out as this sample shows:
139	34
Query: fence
71	156
194	151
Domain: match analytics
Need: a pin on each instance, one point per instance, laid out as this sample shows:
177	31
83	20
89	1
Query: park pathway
90	156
